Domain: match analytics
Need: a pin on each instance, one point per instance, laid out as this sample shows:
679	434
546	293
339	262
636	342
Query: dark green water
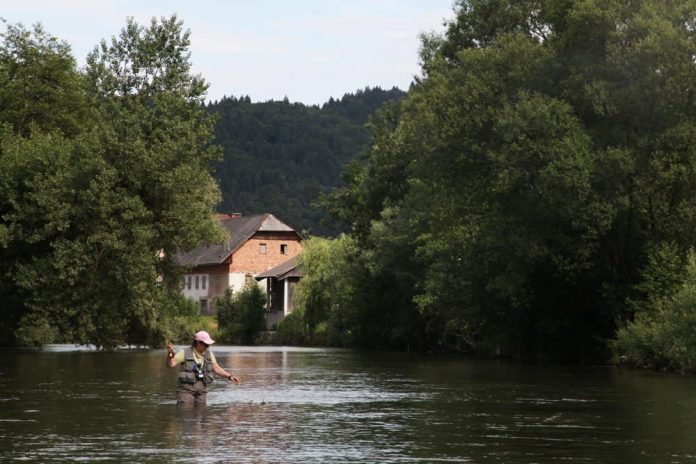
330	406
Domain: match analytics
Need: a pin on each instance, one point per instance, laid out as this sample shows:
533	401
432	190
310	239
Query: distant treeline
280	156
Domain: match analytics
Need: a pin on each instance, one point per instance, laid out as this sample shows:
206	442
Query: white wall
196	293
234	280
238	280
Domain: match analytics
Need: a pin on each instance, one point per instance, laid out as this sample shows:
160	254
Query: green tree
158	136
92	220
661	336
40	86
42	105
350	300
241	316
546	149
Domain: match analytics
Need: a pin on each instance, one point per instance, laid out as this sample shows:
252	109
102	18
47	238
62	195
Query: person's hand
233	379
171	362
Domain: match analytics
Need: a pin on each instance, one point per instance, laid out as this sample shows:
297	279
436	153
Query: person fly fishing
196	365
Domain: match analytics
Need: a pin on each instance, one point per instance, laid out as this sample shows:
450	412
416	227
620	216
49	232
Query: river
295	405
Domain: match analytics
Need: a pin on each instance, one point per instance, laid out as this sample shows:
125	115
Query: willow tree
104	211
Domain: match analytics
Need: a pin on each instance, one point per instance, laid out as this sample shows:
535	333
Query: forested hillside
279	156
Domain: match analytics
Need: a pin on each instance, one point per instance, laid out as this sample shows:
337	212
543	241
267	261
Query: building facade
255	244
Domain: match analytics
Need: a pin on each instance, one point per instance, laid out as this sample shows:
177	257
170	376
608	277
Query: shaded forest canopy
280	156
533	196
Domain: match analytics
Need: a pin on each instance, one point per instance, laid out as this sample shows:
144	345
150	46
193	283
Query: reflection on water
313	405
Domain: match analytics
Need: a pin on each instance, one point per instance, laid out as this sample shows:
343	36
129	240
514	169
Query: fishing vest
191	372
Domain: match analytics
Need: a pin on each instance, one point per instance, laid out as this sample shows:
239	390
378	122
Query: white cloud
308	50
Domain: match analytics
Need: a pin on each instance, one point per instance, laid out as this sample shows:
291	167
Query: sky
305	50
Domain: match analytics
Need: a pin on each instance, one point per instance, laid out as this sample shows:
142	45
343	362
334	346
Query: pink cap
203	336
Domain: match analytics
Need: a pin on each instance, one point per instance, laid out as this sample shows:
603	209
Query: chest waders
194	377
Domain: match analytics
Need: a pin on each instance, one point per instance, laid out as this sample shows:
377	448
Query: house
280	281
255	244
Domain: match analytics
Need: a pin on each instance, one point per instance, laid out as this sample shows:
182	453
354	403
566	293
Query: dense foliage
663	332
532	196
515	197
241	315
103	178
348	298
279	156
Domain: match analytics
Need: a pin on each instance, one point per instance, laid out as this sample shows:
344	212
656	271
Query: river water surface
67	404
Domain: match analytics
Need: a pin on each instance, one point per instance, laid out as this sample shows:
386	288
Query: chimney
223	216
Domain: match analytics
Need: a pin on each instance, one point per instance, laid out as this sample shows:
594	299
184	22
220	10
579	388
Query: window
204	282
283	249
262	248
204	305
196	282
188	285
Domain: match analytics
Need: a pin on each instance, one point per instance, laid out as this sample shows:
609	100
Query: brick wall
248	258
